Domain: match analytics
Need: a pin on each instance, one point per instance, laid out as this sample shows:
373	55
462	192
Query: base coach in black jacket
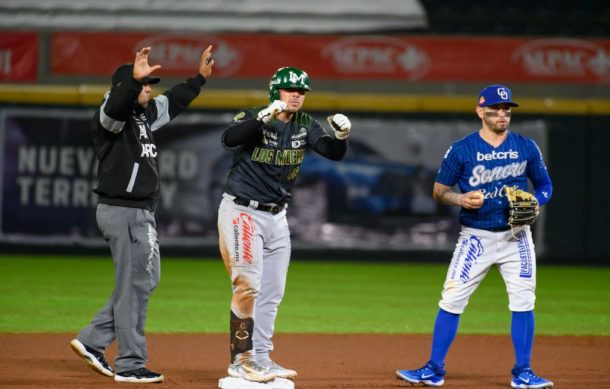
128	190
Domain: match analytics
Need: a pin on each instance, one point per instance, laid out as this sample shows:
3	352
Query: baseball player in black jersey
268	145
128	190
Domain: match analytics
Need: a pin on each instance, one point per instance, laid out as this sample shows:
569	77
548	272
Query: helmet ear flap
274	94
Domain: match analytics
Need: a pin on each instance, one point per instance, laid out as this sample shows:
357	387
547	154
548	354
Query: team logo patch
239	116
269	138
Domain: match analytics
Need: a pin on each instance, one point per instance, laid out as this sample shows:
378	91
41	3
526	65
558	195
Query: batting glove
271	111
341	125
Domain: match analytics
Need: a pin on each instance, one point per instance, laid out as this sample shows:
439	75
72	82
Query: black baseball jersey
266	162
122	131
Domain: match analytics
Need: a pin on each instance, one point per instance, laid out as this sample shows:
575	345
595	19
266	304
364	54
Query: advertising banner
18	56
377	197
359	57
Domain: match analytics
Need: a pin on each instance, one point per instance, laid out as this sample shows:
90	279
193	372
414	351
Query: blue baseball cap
496	94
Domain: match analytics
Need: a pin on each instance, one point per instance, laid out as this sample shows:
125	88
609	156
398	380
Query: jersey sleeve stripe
109	123
132	179
162	112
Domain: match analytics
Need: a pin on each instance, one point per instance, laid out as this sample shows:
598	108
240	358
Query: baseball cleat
278	370
251	371
139	376
94	359
526	379
429	375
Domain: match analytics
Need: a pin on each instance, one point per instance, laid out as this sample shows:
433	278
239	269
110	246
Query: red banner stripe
18	56
400	58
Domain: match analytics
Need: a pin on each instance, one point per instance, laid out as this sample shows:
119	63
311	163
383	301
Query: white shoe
251	371
278	370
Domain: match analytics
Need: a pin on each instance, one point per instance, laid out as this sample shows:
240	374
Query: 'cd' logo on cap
502	93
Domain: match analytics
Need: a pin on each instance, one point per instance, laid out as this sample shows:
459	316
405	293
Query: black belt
271	208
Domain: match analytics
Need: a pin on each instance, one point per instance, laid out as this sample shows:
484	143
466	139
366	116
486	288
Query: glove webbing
522	208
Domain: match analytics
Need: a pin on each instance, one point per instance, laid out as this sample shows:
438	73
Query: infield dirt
322	361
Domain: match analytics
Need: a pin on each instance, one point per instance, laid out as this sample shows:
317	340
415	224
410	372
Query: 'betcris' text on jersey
474	164
510	154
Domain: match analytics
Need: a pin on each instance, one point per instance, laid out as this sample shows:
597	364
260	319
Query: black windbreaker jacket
122	131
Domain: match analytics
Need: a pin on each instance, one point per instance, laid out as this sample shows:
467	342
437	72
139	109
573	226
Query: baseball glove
522	206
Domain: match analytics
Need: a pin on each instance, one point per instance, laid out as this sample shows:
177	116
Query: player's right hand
274	109
472	200
141	68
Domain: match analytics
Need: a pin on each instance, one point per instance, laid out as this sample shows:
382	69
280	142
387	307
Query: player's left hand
523	208
141	68
341	125
206	62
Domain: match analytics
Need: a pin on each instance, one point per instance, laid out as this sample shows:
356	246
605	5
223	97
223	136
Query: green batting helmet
287	78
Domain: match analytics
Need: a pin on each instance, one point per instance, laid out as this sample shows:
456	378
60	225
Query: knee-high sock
522	332
445	329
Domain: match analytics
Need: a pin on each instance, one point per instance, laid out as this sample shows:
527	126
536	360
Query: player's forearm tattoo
448	197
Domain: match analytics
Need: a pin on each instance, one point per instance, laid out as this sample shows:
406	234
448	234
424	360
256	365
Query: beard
495	127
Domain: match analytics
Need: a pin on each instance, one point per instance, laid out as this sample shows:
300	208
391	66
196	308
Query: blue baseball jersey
474	164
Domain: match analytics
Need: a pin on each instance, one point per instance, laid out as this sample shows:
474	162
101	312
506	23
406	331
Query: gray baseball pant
259	261
132	235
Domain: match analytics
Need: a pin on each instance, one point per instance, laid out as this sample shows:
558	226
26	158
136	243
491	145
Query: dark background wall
577	218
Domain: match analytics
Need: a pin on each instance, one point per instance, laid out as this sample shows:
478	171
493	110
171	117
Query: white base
240	383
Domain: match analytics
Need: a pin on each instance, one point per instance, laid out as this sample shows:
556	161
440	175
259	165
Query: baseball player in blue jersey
268	145
484	164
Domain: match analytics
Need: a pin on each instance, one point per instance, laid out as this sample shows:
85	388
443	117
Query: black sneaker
141	375
94	359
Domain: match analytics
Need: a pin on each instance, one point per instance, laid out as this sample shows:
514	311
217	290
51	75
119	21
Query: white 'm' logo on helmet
503	93
294	78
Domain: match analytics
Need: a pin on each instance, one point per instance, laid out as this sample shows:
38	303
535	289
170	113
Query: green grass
58	294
